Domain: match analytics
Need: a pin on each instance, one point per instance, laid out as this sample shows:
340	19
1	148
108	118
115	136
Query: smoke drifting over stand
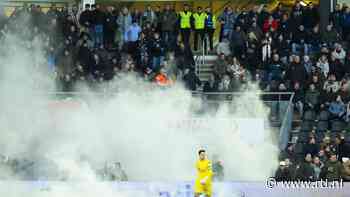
135	126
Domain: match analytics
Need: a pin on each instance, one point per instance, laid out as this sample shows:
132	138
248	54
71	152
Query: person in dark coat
283	173
85	17
311	147
191	80
305	170
98	21
296	71
310	16
110	27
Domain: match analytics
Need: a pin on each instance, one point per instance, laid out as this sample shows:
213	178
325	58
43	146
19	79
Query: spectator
210	26
322	156
314	39
283	173
310	16
157	48
227	20
251	53
191	80
296	16
263	16
137	16
305	170
85	17
149	16
323	65
308	65
331	85
332	169
226	85
220	67
110	27
296	71
311	147
124	21
339	53
337	108
336	18
266	49
270	23
275	69
132	33
210	86
346	24
162	79
330	36
238	41
298	99
98	20
300	41
312	97
168	23
223	47
318	167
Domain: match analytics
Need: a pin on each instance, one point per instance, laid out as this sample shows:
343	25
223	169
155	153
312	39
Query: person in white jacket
223	47
339	53
323	65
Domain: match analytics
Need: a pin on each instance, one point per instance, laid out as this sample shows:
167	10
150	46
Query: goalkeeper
203	184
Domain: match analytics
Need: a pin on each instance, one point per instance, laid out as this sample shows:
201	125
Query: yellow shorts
206	188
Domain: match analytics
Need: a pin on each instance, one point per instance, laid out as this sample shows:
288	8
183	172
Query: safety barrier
167	189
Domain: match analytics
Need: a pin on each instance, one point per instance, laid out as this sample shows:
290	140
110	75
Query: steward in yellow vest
185	25
199	25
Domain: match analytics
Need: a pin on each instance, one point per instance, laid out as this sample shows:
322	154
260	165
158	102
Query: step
207	58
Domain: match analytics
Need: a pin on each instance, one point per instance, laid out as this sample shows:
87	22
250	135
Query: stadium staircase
204	65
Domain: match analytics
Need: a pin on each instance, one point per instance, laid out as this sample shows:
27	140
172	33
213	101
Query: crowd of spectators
281	50
285	50
98	44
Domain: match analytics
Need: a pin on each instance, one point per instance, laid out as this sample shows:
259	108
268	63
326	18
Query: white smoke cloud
149	130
